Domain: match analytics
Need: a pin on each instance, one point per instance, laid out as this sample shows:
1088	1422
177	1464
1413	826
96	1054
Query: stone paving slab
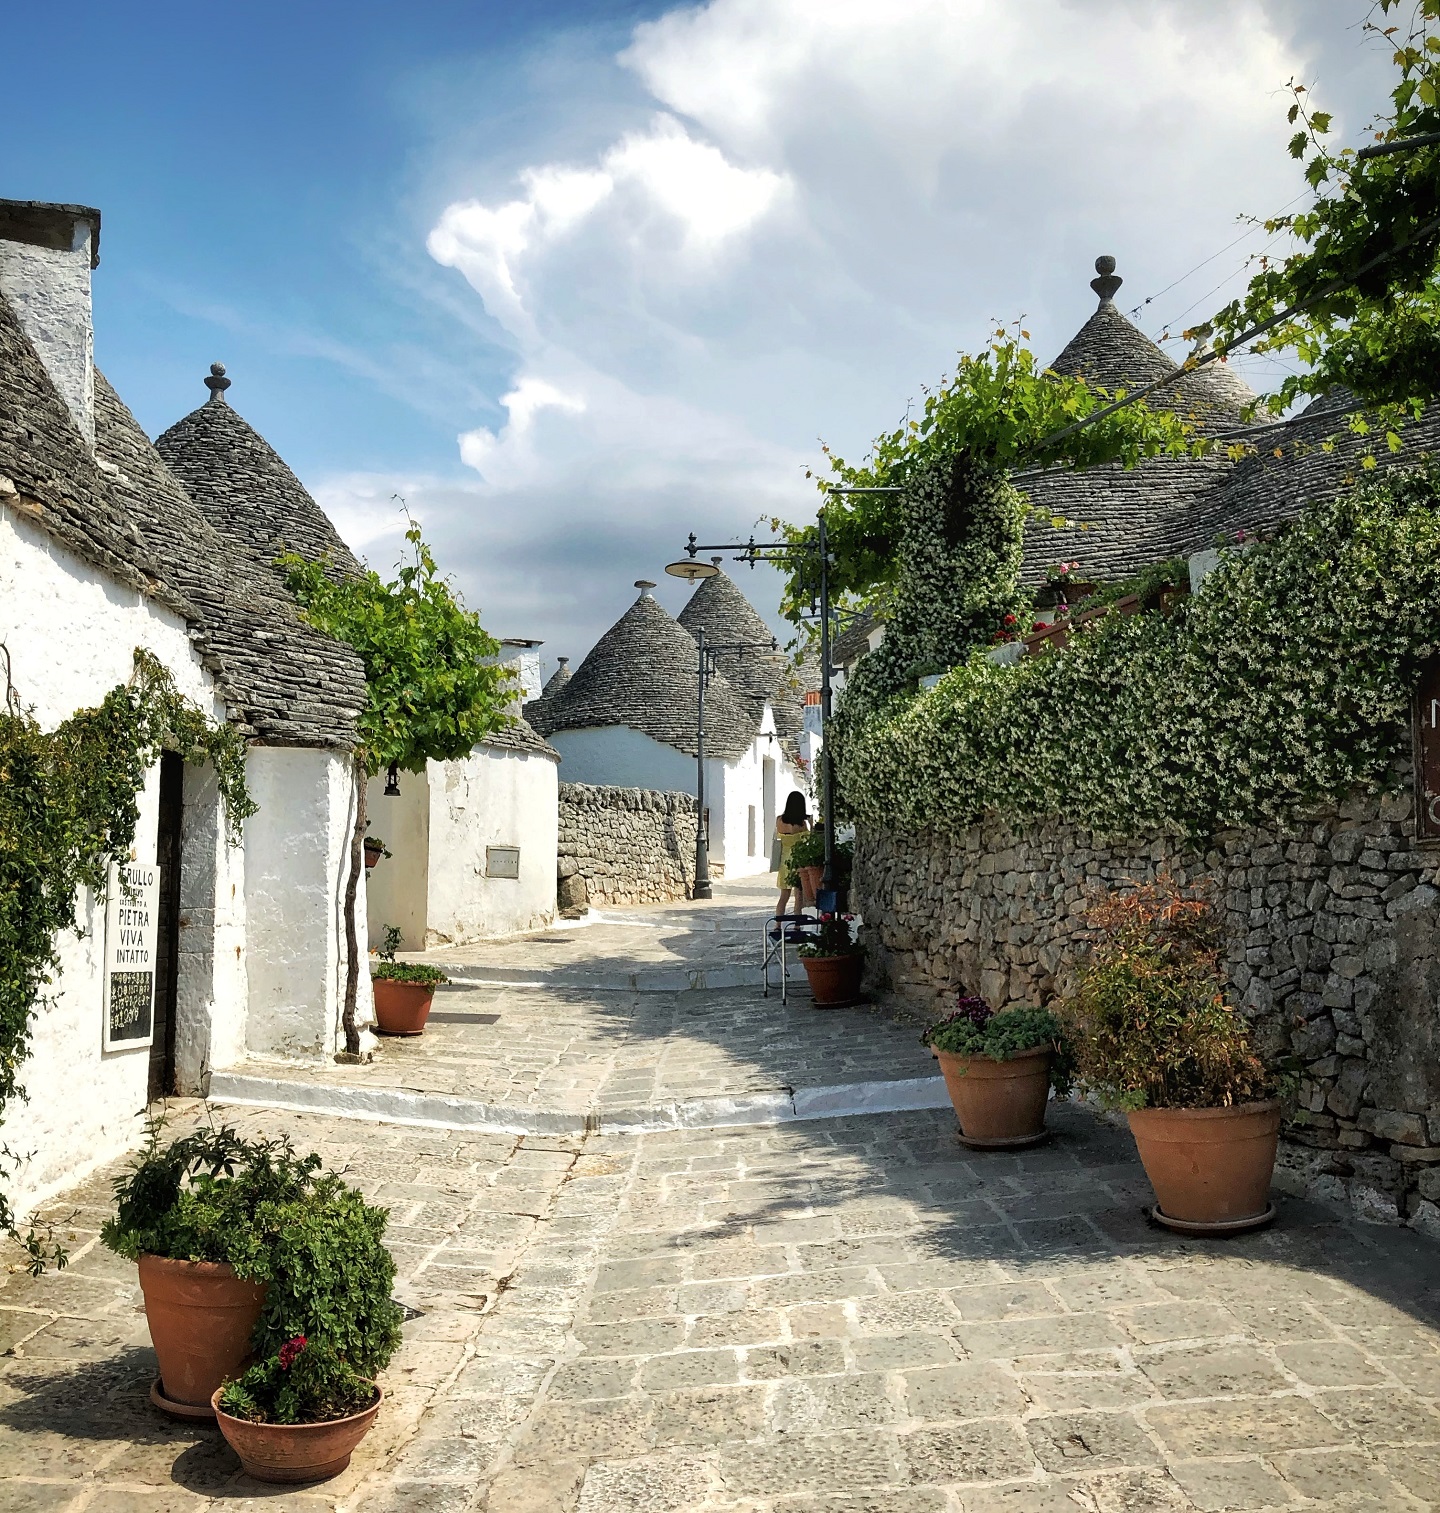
563	1052
848	1314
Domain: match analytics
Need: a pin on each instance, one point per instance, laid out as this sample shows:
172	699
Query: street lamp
778	552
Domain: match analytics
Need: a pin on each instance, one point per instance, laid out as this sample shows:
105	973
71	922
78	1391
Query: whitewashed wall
297	855
71	632
434	886
617	756
398	885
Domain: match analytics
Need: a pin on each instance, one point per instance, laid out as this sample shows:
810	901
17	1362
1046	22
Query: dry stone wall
1333	947
624	846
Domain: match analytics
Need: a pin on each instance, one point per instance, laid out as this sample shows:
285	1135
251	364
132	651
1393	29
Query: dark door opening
167	945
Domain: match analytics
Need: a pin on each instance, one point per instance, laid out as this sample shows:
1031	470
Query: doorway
167	939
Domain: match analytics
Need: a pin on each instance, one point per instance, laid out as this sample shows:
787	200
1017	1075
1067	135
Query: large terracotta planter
295	1452
999	1104
810	880
1210	1167
201	1316
401	1008
834	980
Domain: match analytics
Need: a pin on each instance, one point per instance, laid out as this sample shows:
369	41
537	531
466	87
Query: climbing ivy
68	808
1286	680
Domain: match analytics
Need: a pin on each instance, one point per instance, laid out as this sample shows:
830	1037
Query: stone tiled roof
727	617
1123	518
125	513
521	736
244	489
288	682
1263	490
558	679
48	476
854	641
642	673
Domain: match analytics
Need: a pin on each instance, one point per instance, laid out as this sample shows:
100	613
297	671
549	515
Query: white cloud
812	205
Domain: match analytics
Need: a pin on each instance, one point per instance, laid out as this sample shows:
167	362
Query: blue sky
578	278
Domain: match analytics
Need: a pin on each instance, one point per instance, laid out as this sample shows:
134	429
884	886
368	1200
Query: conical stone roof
1113	352
242	486
558	679
642	673
121	509
728	618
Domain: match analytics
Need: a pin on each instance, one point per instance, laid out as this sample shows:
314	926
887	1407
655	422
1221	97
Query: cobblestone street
821	1315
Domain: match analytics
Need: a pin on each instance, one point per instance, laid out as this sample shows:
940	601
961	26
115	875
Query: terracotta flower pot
810	880
999	1103
401	1008
834	980
295	1452
201	1316
1210	1167
372	854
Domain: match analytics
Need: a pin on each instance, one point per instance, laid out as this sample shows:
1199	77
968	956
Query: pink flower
290	1350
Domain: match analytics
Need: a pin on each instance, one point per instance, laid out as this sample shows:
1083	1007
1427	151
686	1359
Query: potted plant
999	1069
807	858
833	962
374	849
1153	1035
243	1244
403	991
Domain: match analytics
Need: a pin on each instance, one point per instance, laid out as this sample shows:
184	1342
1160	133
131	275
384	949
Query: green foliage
1004	1035
1144	585
389	943
960	553
68	809
433	690
1148	1019
1286	680
207	1196
316	1386
1374	330
990	415
277	1218
832	937
809	849
404	971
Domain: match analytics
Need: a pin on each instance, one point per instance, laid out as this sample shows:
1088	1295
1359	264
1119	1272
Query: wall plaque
1427	753
502	861
132	912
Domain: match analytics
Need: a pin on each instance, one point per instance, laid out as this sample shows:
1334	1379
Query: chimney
46	254
522	657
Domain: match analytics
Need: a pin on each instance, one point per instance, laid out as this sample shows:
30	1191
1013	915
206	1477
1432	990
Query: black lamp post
753	551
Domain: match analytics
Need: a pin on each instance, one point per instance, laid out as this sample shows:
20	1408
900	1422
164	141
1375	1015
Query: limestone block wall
1333	950
624	845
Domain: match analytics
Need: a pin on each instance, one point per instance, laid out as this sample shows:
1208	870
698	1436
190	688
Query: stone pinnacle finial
1108	282
563	661
644	585
217	383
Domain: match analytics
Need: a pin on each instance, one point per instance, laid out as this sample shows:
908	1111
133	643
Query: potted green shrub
807	858
375	848
833	960
999	1069
403	991
1153	1035
244	1247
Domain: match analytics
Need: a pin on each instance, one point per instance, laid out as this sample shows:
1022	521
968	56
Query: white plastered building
472	842
628	717
103	551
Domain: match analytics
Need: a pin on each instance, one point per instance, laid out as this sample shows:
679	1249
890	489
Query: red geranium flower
290	1350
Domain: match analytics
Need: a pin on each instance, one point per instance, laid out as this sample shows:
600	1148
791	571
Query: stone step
440	1111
